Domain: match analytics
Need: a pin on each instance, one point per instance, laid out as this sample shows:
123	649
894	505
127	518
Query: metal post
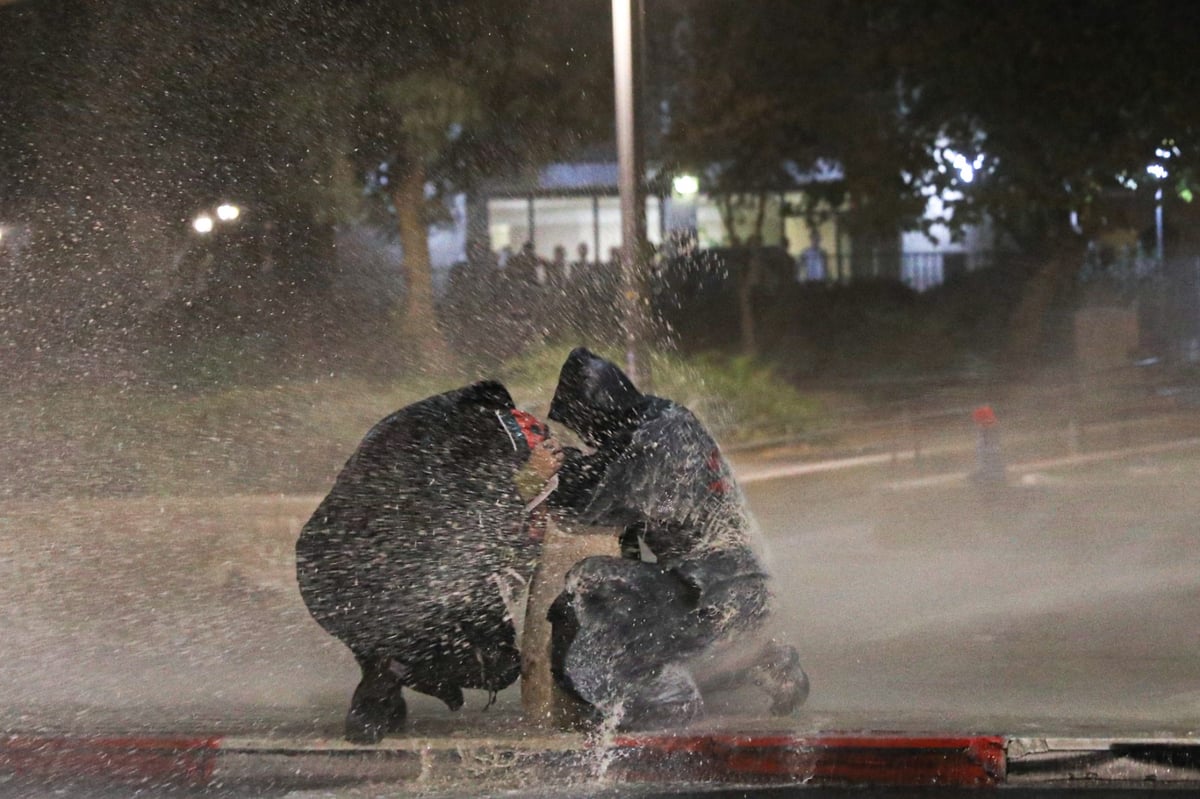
1158	225
596	259
627	33
530	221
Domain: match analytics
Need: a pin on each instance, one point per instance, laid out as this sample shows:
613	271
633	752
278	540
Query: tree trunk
748	280
422	340
745	291
744	279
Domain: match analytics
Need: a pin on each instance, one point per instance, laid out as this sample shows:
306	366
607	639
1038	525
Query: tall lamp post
628	19
1158	225
1158	171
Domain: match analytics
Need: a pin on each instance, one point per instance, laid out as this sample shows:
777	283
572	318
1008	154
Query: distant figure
560	268
482	258
414	558
525	268
582	252
812	263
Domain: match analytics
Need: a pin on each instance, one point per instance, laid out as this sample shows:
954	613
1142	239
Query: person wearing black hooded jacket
630	635
409	558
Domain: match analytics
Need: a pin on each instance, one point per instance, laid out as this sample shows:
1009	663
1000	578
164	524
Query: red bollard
989	461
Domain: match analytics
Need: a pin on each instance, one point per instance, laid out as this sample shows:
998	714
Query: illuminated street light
203	223
686	185
227	212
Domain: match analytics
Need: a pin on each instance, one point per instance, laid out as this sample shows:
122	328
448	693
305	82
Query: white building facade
576	207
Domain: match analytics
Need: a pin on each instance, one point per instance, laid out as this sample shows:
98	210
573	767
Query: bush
739	399
293	437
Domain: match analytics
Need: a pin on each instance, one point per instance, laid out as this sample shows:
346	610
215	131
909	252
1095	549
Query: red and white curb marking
838	759
175	760
719	758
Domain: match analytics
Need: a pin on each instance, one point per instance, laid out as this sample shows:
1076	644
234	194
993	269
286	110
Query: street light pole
628	17
1158	225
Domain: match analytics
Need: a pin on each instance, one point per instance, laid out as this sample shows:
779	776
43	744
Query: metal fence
919	271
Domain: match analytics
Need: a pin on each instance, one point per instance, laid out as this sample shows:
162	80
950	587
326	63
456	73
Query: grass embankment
293	437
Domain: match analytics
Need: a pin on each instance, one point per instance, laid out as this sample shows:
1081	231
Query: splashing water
602	742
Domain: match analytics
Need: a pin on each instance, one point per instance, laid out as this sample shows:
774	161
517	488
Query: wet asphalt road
1066	602
1069	601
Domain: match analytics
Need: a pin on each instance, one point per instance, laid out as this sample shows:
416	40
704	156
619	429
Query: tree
129	115
1066	103
1056	105
429	97
728	126
774	90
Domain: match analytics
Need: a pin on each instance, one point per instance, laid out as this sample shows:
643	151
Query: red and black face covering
524	429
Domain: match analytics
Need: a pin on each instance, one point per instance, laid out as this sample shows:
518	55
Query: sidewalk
947	453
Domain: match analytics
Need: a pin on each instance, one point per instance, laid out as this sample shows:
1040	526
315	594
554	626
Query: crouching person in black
640	637
412	558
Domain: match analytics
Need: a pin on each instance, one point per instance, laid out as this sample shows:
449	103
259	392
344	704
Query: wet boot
377	707
670	700
780	676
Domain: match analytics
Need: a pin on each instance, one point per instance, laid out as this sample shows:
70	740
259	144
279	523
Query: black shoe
367	722
782	678
397	713
378	706
669	701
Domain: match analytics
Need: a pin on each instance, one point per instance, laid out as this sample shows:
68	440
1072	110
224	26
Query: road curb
177	760
900	760
761	759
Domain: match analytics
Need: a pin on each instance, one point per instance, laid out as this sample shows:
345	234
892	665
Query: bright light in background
966	167
686	185
225	212
1166	152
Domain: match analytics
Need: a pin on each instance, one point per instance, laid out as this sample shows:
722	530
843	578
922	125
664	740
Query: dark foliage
867	328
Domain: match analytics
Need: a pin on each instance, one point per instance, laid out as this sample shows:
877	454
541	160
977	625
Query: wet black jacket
404	558
655	472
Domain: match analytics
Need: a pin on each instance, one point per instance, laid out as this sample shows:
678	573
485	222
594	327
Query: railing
920	271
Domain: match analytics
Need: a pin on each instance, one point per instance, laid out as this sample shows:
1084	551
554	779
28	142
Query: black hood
595	398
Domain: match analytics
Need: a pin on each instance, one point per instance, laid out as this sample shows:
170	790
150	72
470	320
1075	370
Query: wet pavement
1061	605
